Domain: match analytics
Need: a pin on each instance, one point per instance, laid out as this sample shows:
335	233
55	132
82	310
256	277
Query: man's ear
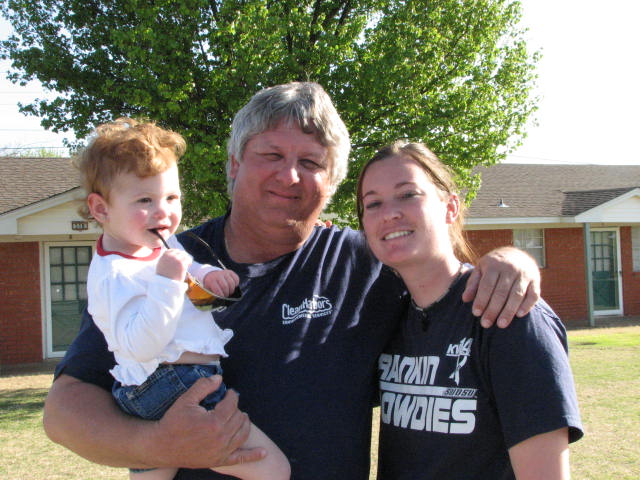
98	207
233	171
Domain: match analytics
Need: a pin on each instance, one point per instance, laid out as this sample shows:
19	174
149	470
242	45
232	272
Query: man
316	312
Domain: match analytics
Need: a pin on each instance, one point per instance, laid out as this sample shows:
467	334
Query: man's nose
288	172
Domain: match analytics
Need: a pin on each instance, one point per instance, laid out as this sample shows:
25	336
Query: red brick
20	305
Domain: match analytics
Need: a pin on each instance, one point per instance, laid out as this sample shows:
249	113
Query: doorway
67	265
606	276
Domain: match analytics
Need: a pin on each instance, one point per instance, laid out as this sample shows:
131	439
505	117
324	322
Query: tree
27	152
452	73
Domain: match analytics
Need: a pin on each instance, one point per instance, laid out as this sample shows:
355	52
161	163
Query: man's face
283	178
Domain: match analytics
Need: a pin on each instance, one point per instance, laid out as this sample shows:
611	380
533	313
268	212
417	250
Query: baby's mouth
156	232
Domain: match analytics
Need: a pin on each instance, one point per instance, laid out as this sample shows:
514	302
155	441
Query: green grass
26	452
606	365
600	338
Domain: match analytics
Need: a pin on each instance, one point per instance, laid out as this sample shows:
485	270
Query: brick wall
630	279
20	307
563	280
483	241
563	283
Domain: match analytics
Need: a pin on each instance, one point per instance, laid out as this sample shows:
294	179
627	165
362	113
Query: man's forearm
85	419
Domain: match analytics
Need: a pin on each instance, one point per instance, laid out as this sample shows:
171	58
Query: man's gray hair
305	104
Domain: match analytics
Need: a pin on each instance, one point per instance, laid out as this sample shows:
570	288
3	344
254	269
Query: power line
34	147
30	130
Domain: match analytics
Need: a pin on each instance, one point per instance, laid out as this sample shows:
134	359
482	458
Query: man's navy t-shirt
307	336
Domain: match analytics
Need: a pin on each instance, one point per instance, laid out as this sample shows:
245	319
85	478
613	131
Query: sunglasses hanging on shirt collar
202	298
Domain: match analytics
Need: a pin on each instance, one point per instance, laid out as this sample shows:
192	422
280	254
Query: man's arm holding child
84	418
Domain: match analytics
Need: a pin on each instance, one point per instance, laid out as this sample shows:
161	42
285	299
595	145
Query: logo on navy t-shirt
462	351
313	307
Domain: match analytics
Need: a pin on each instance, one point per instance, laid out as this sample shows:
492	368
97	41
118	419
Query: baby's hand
221	282
173	264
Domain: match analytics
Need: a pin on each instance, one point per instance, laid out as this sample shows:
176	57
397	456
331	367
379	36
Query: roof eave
601	213
482	221
9	220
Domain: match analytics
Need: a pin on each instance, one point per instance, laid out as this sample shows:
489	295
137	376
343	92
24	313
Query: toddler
136	286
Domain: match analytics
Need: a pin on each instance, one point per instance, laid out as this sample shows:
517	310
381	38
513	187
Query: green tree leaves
454	74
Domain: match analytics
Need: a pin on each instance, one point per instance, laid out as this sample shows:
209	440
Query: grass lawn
605	361
606	366
26	452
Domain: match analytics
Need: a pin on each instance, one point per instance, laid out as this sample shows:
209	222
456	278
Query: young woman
458	401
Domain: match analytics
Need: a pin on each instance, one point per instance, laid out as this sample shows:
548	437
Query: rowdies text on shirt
410	400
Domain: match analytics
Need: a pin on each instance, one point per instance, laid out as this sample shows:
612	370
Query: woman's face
405	217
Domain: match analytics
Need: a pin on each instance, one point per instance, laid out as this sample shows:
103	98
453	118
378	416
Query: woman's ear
453	208
98	207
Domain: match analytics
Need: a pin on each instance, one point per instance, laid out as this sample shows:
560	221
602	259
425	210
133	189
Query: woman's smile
398	234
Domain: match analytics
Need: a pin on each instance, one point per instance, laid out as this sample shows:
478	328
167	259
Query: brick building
45	247
549	210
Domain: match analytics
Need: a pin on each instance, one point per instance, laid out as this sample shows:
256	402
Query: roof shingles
530	190
24	181
535	190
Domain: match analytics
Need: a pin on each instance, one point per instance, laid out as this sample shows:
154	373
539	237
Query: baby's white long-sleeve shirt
146	318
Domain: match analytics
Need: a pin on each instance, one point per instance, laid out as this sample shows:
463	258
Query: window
635	247
531	240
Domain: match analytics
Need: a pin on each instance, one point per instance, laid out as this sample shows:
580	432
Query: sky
588	81
588	85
